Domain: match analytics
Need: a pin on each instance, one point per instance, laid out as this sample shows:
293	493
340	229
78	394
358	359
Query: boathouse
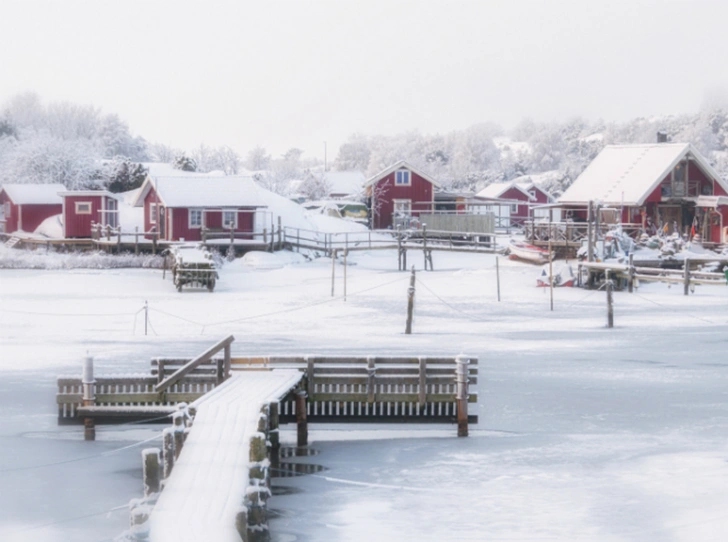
664	186
84	208
399	193
182	207
524	197
24	206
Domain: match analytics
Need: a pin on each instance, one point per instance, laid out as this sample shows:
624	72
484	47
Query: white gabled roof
34	194
628	174
400	165
344	182
202	191
496	190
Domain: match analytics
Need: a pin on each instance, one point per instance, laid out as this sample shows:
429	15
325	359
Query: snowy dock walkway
207	488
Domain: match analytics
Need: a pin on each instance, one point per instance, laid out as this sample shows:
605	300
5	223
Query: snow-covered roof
400	165
628	174
202	191
34	194
496	190
344	182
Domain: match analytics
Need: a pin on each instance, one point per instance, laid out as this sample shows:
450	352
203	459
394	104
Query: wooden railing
572	232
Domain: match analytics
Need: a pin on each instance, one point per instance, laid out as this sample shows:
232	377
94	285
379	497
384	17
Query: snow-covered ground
585	434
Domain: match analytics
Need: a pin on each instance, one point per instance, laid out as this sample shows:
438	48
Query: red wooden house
524	194
82	208
670	185
179	208
398	193
24	206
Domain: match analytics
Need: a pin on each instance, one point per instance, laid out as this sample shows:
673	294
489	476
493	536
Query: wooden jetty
226	411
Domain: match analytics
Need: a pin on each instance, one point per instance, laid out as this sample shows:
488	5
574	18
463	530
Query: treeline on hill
82	148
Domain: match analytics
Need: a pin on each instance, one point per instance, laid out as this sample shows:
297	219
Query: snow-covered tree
184	163
354	154
315	186
121	174
258	159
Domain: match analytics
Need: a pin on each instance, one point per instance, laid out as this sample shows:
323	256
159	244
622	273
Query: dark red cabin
24	206
83	208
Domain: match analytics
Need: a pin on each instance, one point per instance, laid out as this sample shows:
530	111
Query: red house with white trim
24	206
179	208
83	208
398	193
518	190
671	185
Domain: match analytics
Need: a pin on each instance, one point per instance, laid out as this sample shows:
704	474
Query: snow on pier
202	498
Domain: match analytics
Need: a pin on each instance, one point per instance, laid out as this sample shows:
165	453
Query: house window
152	213
514	208
7	209
195	218
230	219
402	178
83	207
402	207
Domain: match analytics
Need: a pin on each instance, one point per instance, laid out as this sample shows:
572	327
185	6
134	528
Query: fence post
610	308
333	271
630	274
136	239
346	251
424	243
280	234
551	272
686	277
298	240
410	303
89	397
301	419
146	316
461	379
589	236
497	277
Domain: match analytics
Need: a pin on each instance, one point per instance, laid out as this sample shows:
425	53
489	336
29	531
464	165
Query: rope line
475	318
76	459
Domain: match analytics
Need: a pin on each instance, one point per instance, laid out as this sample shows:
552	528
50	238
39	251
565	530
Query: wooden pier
226	411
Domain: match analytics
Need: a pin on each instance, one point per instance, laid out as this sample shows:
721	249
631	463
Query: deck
203	498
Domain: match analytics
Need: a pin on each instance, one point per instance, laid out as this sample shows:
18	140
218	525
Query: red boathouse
24	206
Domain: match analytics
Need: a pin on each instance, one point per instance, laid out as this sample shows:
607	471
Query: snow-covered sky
298	73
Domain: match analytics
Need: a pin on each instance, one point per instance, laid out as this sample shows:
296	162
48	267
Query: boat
564	277
518	250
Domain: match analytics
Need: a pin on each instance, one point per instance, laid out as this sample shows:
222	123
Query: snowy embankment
12	258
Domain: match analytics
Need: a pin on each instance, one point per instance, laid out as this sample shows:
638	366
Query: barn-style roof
496	190
34	194
400	165
628	174
202	191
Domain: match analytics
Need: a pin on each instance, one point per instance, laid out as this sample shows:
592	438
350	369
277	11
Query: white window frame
514	207
227	225
153	212
79	204
190	213
396	202
7	208
403	172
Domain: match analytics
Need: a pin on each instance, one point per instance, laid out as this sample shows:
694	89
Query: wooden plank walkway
202	498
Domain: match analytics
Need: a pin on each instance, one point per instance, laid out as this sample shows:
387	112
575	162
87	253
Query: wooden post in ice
168	451
461	379
301	418
610	308
630	274
136	239
333	271
178	419
497	277
146	316
346	251
273	431
151	466
410	303
551	268
686	277
89	397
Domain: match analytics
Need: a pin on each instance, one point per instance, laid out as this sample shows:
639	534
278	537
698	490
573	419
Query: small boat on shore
564	277
523	251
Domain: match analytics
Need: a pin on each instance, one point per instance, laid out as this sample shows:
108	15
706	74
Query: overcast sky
298	73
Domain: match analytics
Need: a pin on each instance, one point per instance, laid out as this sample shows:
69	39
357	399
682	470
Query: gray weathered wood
205	356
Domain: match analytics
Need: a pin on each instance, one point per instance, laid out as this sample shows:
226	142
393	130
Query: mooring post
410	303
589	236
151	466
346	251
168	451
424	243
686	277
630	274
497	277
301	418
89	396
178	418
399	249
551	272
461	379
136	239
610	308
273	424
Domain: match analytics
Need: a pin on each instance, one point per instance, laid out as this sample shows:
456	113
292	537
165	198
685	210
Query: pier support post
152	470
686	277
610	307
630	271
301	418
273	424
179	432
89	397
410	303
461	379
168	451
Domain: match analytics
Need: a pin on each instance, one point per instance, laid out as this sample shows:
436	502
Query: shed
24	206
84	208
180	207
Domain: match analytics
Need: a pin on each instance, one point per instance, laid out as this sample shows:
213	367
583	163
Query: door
161	220
670	216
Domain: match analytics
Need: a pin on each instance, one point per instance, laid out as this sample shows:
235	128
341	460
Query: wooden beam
205	356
